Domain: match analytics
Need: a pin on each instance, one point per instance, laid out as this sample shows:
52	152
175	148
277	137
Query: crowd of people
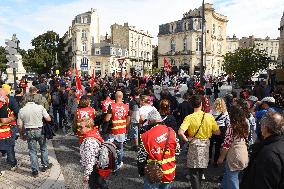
243	133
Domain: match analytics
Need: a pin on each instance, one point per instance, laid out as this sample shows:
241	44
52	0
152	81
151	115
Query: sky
30	18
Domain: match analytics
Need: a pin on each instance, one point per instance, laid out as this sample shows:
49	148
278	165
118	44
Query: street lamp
202	41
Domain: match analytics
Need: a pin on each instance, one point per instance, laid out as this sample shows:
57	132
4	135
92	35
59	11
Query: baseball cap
268	99
6	87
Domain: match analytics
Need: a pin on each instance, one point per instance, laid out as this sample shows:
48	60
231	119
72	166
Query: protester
200	127
84	110
234	148
6	138
265	169
158	144
221	116
89	151
31	130
119	113
168	119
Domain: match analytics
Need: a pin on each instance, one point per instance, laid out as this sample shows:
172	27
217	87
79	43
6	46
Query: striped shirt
222	121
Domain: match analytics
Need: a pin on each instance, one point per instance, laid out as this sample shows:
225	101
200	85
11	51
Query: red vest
154	142
88	112
106	103
119	115
5	130
10	113
23	83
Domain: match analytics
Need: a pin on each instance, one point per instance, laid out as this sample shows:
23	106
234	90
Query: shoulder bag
197	129
153	169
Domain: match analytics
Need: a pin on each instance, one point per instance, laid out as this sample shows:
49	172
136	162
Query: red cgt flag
92	83
167	66
79	90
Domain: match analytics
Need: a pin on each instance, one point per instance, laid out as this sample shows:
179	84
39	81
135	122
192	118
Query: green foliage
3	59
244	63
42	58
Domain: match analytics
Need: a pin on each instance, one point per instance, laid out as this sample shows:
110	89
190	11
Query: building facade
106	57
137	42
232	44
281	42
180	41
271	46
80	38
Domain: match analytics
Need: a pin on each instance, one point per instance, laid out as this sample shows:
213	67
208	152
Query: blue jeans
58	110
148	185
34	136
230	178
120	152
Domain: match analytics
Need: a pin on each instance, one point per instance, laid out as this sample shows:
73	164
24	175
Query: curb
55	179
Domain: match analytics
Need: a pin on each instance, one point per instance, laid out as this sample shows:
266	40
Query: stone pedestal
20	71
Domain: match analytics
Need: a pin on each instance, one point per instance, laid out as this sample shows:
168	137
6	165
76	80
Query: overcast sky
29	18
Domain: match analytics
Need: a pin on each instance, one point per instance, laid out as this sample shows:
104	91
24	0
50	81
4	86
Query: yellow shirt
192	122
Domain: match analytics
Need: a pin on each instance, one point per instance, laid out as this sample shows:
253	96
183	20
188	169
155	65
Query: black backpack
55	98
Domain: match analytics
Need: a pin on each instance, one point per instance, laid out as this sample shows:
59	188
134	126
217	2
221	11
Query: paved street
22	177
67	152
67	171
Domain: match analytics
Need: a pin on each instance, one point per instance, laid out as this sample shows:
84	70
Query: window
85	20
173	45
198	44
98	51
84	47
172	28
213	30
184	44
98	63
185	26
219	48
93	40
84	34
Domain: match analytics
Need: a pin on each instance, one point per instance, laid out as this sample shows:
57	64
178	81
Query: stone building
281	42
271	46
180	41
80	38
232	43
105	59
137	42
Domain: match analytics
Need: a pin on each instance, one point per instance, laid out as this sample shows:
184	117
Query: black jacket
266	167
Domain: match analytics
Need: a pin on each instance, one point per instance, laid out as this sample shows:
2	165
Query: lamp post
202	42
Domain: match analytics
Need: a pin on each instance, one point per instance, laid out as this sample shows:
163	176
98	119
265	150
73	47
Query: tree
244	63
3	59
42	57
155	57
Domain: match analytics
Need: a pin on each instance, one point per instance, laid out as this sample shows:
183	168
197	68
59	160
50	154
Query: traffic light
11	49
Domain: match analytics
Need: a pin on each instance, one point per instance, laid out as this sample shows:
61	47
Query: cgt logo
120	112
161	138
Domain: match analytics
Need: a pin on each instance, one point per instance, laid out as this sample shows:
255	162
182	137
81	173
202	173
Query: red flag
167	66
92	83
79	88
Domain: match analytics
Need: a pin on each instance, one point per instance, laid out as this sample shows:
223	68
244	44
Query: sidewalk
22	177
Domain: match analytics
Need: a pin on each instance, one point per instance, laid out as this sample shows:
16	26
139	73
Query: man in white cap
265	105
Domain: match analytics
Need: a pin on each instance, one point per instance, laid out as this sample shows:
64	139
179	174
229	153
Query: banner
92	83
79	88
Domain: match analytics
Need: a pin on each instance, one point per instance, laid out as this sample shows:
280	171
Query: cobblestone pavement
67	152
22	177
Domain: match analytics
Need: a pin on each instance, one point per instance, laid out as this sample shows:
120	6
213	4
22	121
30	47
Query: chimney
126	24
